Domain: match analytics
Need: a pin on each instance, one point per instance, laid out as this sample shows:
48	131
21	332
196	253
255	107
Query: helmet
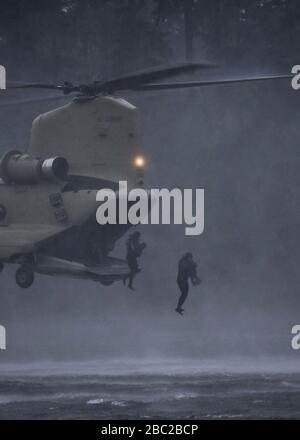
136	234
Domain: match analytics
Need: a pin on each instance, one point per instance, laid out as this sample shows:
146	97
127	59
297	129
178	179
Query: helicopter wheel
106	283
24	277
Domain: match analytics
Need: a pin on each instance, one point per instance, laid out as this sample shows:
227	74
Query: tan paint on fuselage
30	217
98	137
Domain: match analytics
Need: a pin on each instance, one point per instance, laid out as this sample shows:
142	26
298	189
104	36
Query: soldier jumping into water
187	269
134	250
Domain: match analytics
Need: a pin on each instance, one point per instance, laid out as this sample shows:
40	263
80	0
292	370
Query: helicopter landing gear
106	282
24	277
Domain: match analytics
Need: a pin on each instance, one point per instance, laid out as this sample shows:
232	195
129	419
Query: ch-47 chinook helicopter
48	195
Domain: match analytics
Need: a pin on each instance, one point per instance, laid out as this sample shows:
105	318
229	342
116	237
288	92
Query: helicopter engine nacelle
16	167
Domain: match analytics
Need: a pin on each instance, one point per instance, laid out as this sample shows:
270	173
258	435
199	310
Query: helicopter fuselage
53	230
56	219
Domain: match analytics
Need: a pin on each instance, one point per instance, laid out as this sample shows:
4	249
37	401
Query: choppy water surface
167	391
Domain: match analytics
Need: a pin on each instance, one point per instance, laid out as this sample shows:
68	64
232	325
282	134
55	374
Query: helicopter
48	194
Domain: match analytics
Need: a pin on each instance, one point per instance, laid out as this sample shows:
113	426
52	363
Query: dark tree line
75	39
233	29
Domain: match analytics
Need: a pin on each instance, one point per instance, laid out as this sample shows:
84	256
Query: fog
239	143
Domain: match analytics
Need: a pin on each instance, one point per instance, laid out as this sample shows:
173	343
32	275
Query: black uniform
187	269
134	250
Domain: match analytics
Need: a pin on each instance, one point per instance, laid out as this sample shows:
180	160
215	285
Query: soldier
187	269
134	250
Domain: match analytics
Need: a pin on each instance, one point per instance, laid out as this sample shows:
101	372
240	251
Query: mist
239	143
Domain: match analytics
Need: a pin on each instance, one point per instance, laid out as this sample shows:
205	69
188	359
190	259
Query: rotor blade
31	100
12	82
148	76
204	83
33	86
